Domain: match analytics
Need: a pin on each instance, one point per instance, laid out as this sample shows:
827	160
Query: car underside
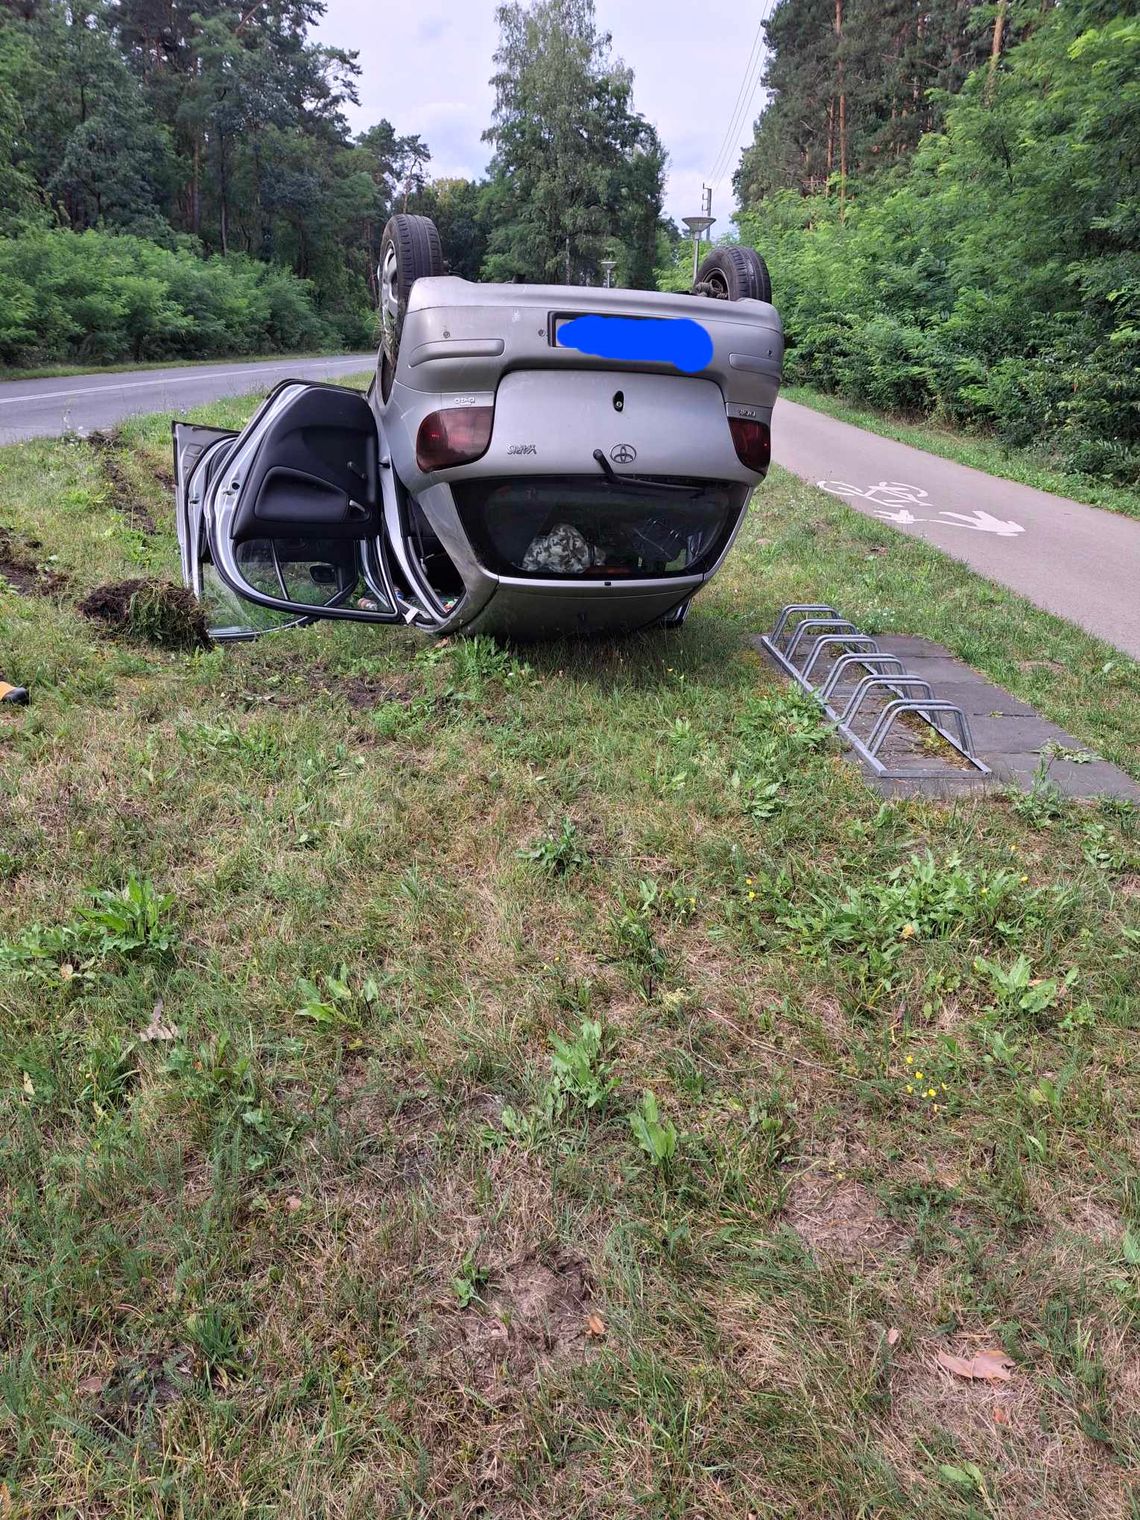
529	460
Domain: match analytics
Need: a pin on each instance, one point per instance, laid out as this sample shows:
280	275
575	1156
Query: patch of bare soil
838	1217
153	610
137	1386
23	572
124	494
372	691
533	1314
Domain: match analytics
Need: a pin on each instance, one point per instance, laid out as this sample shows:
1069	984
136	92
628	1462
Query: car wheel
734	274
410	250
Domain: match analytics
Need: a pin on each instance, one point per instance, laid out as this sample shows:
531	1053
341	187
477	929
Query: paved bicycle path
82	403
1077	561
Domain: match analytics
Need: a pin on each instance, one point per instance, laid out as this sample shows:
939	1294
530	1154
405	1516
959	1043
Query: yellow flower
918	1074
910	1060
752	897
909	1087
930	1093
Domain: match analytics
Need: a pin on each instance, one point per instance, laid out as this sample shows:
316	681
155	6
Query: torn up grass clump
152	610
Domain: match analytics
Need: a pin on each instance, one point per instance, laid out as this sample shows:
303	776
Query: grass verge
1031	467
454	1079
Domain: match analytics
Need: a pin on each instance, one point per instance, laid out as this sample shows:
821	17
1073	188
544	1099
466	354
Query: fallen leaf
1000	1416
892	1336
90	1385
292	1205
66	972
156	1029
29	1086
595	1326
986	1366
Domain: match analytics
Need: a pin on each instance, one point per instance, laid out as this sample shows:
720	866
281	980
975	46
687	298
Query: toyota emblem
623	453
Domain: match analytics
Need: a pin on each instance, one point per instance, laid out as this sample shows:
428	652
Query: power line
739	95
737	123
751	85
745	97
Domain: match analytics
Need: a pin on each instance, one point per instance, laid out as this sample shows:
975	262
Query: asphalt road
1076	561
82	403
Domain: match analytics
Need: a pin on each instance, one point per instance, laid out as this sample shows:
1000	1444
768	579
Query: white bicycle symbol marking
901	497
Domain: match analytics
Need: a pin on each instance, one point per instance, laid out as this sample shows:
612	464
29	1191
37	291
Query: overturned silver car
529	459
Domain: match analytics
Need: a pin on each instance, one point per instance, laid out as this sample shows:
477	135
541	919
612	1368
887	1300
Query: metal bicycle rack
807	633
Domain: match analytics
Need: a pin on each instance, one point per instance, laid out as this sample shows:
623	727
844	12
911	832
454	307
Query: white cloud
429	73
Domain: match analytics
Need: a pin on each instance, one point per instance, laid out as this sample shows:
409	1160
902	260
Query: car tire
733	273
410	250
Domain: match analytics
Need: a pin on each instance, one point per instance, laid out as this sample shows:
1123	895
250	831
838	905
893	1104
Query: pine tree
859	80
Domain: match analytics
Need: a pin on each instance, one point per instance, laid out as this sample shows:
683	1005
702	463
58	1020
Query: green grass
336	971
1032	467
60	371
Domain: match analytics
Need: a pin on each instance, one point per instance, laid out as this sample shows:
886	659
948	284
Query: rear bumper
540	609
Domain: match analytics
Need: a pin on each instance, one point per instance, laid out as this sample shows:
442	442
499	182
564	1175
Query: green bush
993	279
98	297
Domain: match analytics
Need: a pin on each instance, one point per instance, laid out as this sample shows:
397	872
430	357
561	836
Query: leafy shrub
128	923
99	297
994	278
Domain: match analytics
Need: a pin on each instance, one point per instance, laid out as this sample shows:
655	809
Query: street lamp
697	225
609	265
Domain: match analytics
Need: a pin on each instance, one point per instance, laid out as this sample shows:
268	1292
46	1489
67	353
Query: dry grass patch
838	1217
396	1151
533	1313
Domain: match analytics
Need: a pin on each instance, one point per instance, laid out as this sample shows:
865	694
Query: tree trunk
842	107
995	50
196	188
223	196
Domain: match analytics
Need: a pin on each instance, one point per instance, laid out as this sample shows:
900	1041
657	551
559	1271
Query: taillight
753	443
456	436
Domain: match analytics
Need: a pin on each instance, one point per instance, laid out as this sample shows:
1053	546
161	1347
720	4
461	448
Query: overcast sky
426	67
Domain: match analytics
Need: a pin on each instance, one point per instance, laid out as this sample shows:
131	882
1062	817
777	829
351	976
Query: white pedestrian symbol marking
893	500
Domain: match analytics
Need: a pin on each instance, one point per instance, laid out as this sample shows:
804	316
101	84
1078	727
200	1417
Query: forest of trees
948	195
177	177
947	192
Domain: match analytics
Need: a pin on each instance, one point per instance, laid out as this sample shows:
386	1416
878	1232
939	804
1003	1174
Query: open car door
283	522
